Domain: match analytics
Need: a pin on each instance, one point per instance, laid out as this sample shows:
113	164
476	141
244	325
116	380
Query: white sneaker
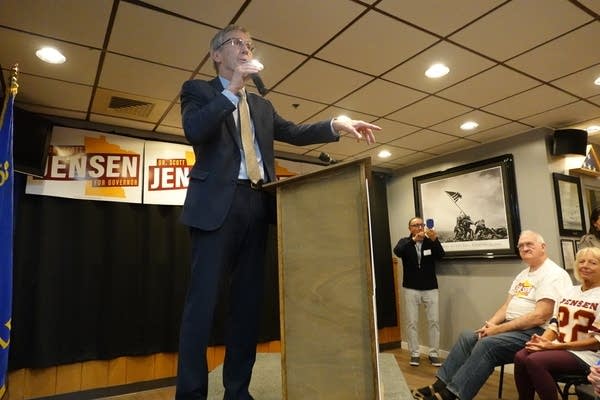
435	361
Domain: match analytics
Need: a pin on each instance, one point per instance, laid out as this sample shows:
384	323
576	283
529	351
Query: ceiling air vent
130	106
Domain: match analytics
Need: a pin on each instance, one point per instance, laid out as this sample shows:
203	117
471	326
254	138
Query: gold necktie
252	168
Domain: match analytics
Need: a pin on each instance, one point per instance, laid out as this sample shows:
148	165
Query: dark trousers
234	253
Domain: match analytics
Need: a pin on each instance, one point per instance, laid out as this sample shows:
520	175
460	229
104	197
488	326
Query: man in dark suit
227	213
418	252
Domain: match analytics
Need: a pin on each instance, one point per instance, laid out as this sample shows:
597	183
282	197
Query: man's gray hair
538	237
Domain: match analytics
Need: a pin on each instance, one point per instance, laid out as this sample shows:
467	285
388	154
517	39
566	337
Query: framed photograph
569	205
474	206
592	197
568	253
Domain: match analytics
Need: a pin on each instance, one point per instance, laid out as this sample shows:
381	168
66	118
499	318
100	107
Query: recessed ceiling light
597	81
592	128
50	55
469	125
437	71
384	154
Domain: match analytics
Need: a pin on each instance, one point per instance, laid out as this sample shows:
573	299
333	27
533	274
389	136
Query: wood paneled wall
27	384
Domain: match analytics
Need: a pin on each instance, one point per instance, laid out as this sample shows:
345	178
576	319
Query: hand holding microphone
258	82
243	71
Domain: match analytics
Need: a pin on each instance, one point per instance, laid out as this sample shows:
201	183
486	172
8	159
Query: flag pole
12	89
456	203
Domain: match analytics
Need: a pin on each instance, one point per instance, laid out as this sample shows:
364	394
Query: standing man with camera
419	252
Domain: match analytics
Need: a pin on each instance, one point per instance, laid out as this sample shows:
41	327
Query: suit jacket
208	123
415	276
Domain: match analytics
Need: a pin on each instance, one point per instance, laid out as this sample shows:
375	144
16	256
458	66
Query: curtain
96	280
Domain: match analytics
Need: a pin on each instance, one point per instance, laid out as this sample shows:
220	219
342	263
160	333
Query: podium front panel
328	328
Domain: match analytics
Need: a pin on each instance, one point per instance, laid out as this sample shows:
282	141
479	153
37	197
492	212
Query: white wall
472	290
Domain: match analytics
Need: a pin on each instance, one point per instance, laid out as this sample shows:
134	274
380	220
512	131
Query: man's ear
215	56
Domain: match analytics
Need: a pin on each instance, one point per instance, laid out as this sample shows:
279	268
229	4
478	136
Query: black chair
585	392
569	384
568	381
501	382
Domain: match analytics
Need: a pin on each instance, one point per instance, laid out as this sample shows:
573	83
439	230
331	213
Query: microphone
260	85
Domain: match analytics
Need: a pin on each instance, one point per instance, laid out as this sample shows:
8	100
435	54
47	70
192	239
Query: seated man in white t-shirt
526	311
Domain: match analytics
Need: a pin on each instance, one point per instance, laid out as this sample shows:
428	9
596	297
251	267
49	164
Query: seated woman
592	238
565	347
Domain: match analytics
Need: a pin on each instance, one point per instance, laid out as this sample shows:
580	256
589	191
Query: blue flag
6	234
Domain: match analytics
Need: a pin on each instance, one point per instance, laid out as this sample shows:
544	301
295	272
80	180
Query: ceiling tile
173	117
397	153
499	132
562	56
421	113
171	130
581	83
441	17
531	24
292	108
76	21
414	158
332	112
462	64
142	78
213	12
595	99
105	119
485	121
380	98
422	140
332	82
531	102
150	35
301	25
383	42
453	146
52	111
489	86
288	148
564	116
373	151
346	146
392	130
17	47
53	93
593	5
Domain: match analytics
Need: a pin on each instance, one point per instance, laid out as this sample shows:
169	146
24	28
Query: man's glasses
417	225
239	43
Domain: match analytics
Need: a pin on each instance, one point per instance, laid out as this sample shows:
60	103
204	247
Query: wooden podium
329	344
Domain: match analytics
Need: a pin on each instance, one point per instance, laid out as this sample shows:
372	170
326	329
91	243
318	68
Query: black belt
250	184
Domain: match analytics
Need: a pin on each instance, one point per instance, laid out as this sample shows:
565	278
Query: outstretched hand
359	129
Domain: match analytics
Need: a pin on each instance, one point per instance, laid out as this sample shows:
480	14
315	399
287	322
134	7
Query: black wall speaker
31	139
569	141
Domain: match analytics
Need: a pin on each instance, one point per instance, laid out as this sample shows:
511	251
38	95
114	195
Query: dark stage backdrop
96	280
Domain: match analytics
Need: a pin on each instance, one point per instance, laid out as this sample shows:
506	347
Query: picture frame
567	248
592	197
474	206
569	204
